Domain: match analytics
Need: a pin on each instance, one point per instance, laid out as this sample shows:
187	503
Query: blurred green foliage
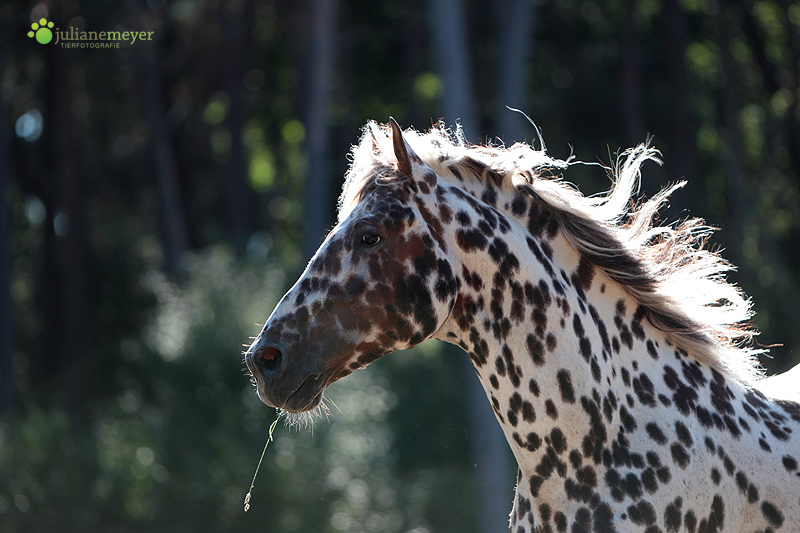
176	445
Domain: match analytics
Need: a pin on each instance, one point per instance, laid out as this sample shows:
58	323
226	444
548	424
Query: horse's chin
307	397
303	404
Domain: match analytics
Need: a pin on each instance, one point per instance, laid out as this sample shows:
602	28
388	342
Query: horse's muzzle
279	386
266	363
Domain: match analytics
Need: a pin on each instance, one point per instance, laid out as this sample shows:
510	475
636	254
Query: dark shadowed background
158	198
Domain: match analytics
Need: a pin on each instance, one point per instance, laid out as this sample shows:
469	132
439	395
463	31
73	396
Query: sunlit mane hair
679	283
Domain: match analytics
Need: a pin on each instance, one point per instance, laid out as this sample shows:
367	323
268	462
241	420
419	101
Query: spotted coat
624	412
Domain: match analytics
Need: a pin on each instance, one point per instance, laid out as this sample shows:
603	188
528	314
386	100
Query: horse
614	352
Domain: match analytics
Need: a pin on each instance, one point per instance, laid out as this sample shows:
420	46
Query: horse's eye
370	238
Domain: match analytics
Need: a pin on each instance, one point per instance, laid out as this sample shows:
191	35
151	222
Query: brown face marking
397	291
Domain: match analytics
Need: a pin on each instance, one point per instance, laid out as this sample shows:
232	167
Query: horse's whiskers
308	419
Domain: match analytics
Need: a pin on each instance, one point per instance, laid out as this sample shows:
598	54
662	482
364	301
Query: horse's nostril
270	358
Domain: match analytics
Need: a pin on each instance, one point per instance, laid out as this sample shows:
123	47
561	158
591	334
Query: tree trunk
769	74
7	394
682	132
451	53
793	115
514	31
174	232
739	191
415	46
495	479
67	289
235	37
631	99
318	199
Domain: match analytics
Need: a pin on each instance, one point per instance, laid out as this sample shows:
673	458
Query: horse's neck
562	352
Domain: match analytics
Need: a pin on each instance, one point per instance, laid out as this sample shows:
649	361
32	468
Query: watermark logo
45	33
42	31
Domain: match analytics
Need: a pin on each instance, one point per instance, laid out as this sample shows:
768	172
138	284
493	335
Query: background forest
157	199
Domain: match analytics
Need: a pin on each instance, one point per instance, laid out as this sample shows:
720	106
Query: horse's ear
402	151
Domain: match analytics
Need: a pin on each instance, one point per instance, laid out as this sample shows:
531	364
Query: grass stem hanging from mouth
253	483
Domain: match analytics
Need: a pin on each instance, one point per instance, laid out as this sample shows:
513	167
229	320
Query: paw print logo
41	30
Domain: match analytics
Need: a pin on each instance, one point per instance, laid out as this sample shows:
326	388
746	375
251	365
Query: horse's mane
679	283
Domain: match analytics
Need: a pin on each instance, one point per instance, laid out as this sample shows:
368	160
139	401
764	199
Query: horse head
380	282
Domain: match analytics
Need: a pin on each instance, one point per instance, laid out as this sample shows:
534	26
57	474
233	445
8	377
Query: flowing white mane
667	269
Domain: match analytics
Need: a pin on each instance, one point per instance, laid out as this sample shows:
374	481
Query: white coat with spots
608	348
